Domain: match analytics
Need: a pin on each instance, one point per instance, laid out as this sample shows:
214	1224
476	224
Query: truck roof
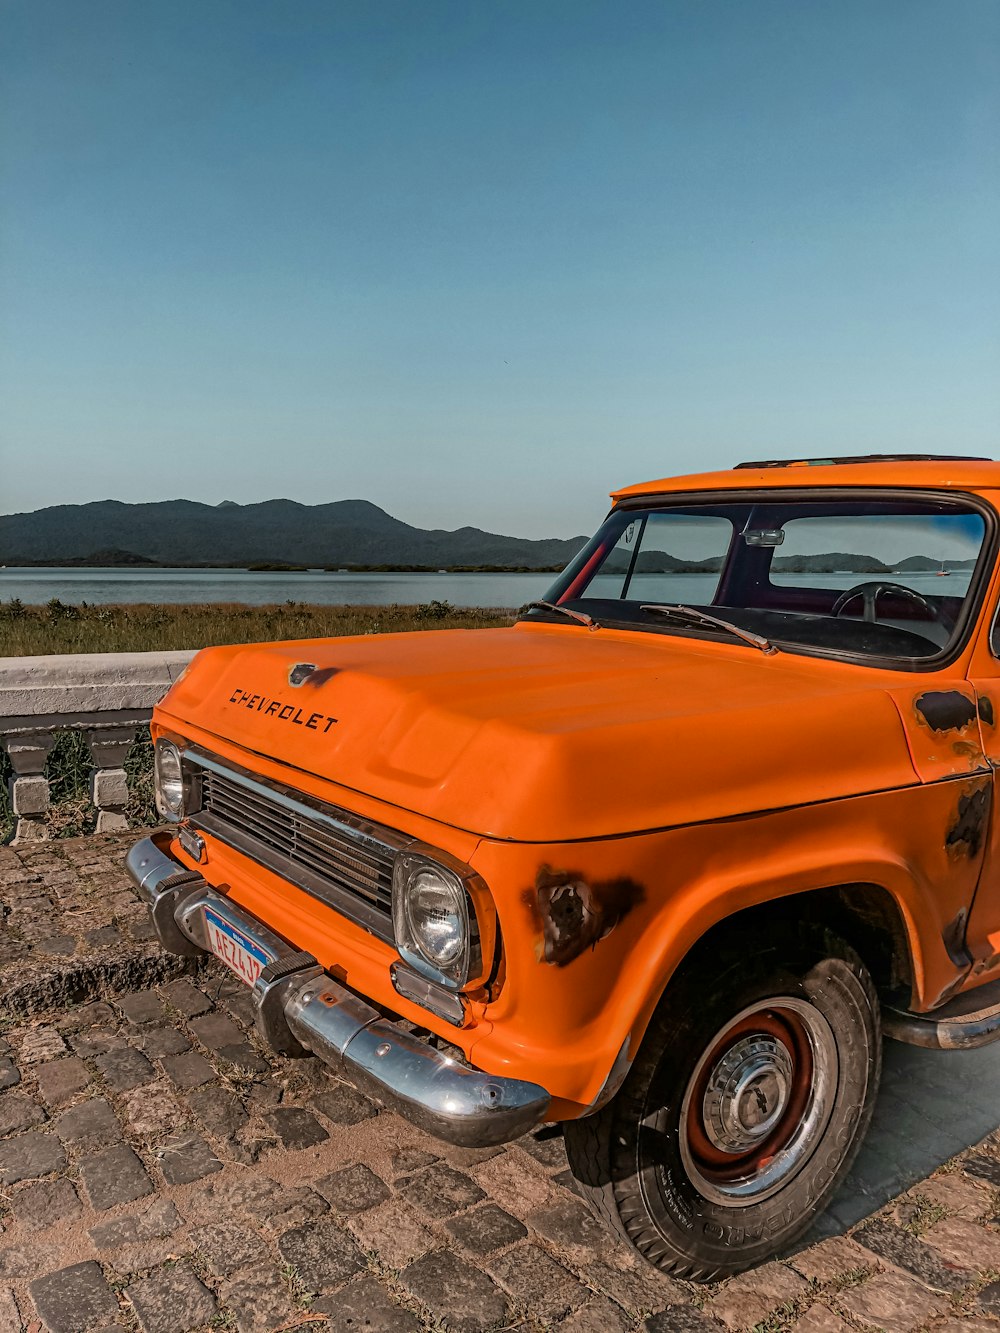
928	472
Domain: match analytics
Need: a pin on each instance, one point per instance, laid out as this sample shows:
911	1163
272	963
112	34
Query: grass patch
59	627
923	1214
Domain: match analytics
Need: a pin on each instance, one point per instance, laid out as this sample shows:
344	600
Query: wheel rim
759	1101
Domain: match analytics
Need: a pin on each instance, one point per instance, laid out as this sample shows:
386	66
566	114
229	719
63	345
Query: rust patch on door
965	837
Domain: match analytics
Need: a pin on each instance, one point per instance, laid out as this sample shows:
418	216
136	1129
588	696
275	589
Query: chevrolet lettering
663	861
283	712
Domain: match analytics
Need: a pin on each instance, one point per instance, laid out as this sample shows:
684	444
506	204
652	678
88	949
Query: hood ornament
301	672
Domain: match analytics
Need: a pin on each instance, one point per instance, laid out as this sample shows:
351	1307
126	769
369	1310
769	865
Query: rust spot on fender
952	988
573	914
986	964
965	837
953	938
985	709
945	710
966	750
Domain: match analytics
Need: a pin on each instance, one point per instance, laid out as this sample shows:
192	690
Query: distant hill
923	563
660	562
833	562
184	532
830	562
837	562
112	559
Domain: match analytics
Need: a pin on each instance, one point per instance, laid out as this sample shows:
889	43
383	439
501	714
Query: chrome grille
331	854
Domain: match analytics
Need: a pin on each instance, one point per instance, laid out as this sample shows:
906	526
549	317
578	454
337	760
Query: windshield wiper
692	614
584	619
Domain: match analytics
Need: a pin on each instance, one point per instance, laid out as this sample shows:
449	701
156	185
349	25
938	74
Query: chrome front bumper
299	1010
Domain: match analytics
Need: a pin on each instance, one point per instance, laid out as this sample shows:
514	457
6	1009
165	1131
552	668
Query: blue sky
481	263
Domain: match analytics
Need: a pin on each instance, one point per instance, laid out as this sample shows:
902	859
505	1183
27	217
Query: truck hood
546	733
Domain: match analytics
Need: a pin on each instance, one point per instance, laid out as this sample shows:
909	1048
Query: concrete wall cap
75	683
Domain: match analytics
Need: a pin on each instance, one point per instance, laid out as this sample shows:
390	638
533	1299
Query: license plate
232	947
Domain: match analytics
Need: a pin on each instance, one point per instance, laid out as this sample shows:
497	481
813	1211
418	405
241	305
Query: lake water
77	585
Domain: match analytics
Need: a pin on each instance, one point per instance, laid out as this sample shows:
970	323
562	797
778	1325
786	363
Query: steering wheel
871	592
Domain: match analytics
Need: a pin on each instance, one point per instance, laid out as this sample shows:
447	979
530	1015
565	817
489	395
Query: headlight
435	932
169	780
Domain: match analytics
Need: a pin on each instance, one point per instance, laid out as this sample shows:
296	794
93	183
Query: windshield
870	578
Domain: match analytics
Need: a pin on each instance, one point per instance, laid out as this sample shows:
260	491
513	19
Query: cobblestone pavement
158	1171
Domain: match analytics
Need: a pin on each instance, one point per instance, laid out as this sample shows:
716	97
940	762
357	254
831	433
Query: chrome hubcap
759	1101
747	1093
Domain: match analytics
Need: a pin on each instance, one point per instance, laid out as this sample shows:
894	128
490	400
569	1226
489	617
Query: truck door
983	932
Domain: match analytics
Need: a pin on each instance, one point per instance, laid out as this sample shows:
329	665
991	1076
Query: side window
665	558
680	559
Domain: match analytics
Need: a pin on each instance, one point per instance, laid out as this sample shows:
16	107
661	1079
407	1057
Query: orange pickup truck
662	861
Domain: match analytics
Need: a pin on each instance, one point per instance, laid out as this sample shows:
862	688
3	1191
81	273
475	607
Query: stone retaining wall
107	696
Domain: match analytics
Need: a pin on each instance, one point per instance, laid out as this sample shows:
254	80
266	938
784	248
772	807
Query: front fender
593	931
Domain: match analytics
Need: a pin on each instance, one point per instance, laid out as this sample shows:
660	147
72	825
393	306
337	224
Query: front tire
745	1107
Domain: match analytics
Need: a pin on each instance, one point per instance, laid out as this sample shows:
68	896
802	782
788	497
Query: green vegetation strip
123	628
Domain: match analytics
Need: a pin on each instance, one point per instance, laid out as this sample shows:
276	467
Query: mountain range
830	562
344	533
282	532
